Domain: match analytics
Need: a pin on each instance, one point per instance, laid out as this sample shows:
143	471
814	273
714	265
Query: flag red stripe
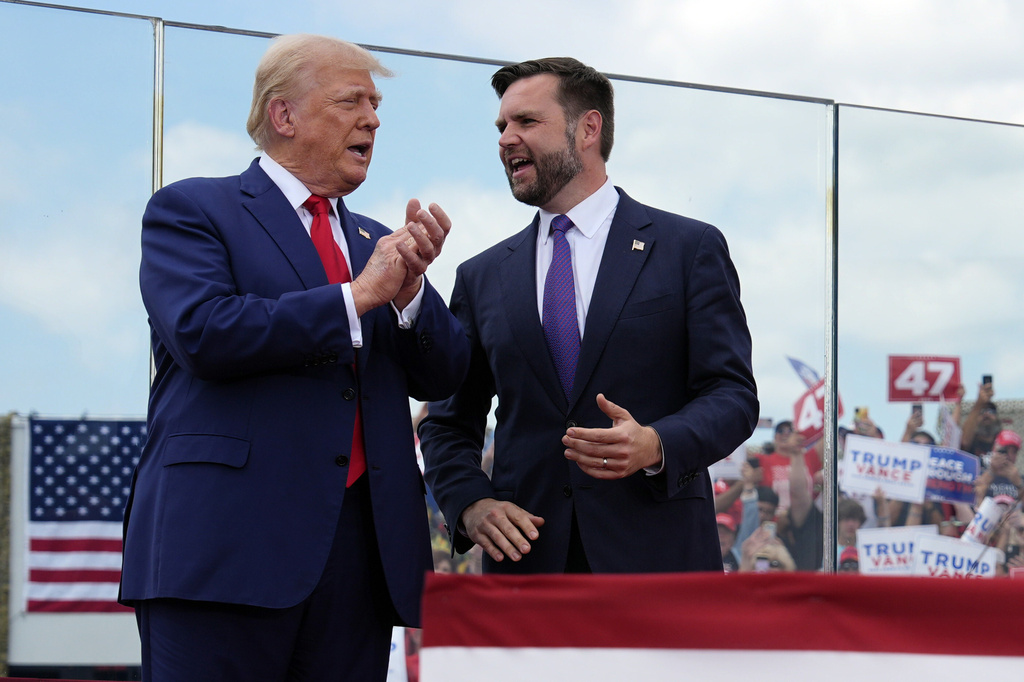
74	545
47	575
794	611
79	606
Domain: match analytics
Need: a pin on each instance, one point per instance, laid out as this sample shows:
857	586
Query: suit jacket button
571	423
567	491
341	460
349	394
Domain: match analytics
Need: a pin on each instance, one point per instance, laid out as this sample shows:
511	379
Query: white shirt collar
588	215
294	191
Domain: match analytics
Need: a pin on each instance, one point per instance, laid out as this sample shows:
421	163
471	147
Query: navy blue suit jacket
666	338
252	407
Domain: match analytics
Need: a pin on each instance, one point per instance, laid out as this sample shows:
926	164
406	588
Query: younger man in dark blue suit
613	337
277	525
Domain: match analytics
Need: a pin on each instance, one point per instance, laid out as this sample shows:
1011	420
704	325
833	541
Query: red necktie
337	273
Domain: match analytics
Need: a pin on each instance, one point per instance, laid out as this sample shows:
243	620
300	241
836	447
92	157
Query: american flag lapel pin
638	245
363	233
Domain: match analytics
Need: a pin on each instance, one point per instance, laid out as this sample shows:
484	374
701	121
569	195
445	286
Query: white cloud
81	282
193	149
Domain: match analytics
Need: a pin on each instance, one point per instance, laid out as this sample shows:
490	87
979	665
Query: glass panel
755	167
928	250
207	89
75	179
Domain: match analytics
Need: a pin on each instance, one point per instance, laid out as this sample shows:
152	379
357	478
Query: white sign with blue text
938	556
899	469
889	551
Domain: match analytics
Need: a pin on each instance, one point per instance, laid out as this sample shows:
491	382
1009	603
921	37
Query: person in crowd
849	560
800	527
613	337
776	464
1010	539
850	517
1001	477
763	552
728	494
727	539
982	423
276	524
929	512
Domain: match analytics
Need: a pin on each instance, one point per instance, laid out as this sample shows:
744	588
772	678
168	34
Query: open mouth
518	165
361	150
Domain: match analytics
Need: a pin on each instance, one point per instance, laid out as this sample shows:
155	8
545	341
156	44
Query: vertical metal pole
830	488
158	131
158	103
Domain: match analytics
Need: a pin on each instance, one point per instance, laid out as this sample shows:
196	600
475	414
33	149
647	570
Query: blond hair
287	69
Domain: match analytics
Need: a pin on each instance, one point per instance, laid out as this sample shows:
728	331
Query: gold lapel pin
363	233
638	245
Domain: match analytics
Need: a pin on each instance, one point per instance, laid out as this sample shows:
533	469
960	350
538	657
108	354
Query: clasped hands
503	529
395	269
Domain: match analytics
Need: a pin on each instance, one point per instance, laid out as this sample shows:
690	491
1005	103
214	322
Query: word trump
890	555
943	565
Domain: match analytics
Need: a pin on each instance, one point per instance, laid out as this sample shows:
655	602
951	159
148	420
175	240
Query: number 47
915	377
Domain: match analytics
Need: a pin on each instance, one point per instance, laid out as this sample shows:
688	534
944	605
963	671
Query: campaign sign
729	468
923	378
951	476
901	469
809	412
938	556
889	551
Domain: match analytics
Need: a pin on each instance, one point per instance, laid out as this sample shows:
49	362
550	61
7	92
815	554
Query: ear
281	117
589	128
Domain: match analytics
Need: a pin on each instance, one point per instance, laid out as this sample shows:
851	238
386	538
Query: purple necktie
561	329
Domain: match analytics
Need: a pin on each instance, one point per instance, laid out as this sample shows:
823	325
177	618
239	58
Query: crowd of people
771	517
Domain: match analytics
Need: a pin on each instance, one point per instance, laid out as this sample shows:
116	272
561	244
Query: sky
919	271
933	56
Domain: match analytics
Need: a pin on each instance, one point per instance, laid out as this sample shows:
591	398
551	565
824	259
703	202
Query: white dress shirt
592	219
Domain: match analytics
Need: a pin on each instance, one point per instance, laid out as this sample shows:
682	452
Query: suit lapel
624	256
517	274
273	212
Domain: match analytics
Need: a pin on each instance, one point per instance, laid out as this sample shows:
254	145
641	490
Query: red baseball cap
1007	437
727	521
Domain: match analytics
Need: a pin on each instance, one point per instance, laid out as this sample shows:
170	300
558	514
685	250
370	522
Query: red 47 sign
809	412
923	378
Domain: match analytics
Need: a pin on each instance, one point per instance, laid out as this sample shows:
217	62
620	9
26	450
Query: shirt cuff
355	326
407	317
660	466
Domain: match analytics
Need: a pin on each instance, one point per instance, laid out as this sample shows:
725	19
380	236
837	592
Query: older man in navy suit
277	524
613	337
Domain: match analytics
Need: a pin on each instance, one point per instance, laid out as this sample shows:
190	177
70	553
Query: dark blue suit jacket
238	493
666	338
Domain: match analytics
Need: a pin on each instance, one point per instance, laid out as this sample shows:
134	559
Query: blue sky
925	202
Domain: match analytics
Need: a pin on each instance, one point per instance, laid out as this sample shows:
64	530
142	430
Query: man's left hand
615	452
426	231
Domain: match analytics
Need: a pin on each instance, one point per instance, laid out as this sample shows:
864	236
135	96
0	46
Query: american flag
80	473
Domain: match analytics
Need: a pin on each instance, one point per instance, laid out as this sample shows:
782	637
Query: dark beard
554	171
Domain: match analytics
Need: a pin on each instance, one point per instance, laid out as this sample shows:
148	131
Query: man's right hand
501	528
